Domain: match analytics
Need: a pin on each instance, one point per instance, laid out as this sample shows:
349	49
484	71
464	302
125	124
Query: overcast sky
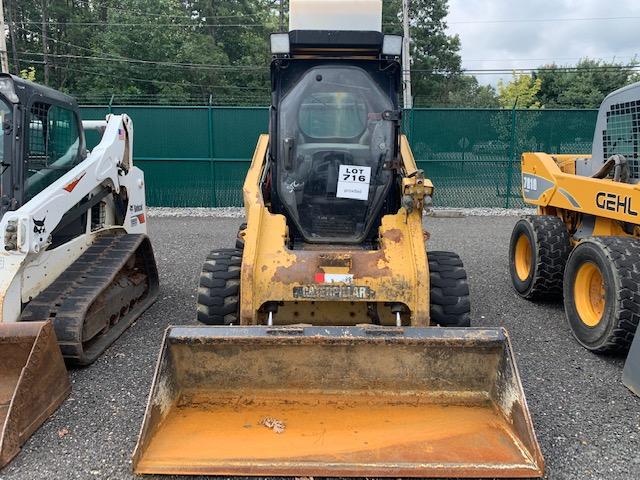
520	44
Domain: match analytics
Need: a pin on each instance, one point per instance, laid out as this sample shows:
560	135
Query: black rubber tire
618	259
450	303
550	247
219	289
239	238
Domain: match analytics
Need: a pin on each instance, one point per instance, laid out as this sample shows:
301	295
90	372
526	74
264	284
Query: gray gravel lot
587	422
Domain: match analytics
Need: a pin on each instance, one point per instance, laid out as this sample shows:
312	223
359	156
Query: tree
582	86
186	50
470	94
435	59
520	92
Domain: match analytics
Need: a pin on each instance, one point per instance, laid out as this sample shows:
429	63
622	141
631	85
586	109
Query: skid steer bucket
33	382
631	372
337	401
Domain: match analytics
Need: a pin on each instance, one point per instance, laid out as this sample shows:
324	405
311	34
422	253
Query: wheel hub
523	257
589	294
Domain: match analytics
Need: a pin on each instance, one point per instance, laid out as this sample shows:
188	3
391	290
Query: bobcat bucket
337	401
33	382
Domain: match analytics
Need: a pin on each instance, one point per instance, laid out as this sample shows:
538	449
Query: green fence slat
471	155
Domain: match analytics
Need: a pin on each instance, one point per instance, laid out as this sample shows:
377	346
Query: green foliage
584	87
194	51
146	51
28	73
520	92
170	51
435	59
470	94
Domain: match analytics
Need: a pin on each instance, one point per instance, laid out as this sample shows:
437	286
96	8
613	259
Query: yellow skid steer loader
331	348
76	265
584	242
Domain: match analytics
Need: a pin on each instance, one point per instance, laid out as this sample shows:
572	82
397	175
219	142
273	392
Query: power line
133	79
253	25
264	67
129	24
543	20
165	15
204	66
542	59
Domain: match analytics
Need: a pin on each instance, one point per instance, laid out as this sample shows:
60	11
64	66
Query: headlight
392	45
280	44
7	89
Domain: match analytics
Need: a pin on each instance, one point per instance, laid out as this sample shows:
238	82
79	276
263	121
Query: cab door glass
53	146
5	124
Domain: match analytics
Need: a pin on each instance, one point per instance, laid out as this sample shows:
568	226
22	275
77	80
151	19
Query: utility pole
12	36
282	16
4	56
406	56
45	41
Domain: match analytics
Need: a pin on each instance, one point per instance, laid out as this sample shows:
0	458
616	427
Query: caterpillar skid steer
76	265
323	355
584	242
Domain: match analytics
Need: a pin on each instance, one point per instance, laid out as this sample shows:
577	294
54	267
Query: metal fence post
512	153
111	104
212	166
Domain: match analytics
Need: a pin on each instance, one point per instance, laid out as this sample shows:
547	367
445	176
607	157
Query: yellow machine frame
395	273
551	183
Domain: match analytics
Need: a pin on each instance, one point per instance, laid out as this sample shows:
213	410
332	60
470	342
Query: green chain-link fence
198	156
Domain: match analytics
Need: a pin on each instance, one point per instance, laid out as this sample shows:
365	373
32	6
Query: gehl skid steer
584	243
329	350
75	261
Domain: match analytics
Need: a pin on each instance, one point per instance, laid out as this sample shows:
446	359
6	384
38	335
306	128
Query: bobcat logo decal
38	226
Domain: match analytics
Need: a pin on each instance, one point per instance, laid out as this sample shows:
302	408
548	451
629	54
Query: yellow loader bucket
337	401
33	382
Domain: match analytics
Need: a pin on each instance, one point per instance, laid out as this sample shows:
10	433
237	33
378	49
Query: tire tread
450	304
219	287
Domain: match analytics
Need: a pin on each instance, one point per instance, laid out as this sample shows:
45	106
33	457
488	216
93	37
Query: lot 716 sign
353	182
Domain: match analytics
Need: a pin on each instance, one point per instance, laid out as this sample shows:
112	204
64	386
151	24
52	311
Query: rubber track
552	241
67	300
624	253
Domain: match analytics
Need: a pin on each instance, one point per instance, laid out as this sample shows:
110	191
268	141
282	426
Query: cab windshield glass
333	144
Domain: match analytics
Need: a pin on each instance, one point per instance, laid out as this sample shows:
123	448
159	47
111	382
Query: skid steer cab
76	265
323	316
334	201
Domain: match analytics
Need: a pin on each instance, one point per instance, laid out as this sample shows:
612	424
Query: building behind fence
198	156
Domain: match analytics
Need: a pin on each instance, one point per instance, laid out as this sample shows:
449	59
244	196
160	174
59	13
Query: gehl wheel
538	254
219	290
602	293
450	304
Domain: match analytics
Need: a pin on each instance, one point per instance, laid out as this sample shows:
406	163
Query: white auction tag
353	182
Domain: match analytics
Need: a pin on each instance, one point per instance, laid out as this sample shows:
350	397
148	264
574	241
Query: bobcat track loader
76	265
330	349
584	243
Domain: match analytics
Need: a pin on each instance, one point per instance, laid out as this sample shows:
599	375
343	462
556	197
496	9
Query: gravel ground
587	422
238	212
